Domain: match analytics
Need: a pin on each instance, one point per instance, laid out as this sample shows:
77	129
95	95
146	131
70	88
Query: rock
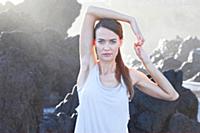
185	47
20	78
33	74
11	20
195	78
147	114
63	119
37	64
166	57
188	104
55	55
148	118
169	48
58	15
170	63
29	17
166	49
180	123
192	66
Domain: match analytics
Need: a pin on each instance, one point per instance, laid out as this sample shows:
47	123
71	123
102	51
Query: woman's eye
113	42
101	41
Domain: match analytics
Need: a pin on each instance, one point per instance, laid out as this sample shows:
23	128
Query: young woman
105	83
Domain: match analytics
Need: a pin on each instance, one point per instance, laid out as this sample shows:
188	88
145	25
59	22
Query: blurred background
39	58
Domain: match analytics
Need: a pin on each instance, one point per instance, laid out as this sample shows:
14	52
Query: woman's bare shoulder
135	74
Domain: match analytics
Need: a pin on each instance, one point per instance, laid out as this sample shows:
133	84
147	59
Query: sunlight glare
12	1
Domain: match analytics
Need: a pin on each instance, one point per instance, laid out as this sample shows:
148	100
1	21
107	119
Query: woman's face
107	44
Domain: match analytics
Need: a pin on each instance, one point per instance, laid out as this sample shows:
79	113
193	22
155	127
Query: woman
104	82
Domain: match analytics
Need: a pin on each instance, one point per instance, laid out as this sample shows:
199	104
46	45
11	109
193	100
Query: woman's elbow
90	10
174	97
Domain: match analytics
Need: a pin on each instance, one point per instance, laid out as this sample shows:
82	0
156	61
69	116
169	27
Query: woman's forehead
104	33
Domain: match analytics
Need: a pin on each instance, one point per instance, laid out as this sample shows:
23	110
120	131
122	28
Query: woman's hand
141	53
136	31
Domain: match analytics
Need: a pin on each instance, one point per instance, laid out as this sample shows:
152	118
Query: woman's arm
99	13
107	13
162	89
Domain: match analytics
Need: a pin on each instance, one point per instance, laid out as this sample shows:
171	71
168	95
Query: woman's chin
107	59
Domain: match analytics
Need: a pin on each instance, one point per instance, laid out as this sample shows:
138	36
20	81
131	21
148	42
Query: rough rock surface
178	54
35	58
147	114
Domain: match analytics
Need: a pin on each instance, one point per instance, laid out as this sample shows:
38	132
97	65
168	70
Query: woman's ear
93	42
120	42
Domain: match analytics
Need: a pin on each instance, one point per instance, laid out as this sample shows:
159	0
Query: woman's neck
107	67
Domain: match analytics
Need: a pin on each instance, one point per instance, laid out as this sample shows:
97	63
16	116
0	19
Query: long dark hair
121	68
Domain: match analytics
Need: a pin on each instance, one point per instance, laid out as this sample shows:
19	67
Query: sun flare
13	1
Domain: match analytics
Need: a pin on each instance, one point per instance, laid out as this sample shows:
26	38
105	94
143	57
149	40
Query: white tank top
102	109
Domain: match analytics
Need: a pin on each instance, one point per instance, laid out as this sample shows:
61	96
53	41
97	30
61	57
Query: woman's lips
107	54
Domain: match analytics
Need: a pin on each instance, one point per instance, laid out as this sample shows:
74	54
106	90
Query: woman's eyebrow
113	39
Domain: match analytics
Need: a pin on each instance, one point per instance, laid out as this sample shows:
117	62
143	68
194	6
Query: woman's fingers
139	42
137	49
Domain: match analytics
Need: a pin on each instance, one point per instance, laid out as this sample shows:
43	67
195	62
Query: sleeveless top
102	109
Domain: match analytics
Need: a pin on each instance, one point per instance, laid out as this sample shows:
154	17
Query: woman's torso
102	109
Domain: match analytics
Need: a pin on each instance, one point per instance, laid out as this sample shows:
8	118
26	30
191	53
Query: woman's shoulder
134	73
137	74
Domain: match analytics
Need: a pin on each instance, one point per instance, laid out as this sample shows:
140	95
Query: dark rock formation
64	117
148	114
152	115
180	123
60	56
20	84
37	65
33	74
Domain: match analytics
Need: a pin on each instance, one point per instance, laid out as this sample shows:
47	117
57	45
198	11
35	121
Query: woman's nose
107	46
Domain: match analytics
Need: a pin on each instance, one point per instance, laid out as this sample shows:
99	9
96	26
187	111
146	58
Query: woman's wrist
146	62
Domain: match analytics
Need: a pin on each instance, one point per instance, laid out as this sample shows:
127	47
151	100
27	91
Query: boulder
58	15
180	123
187	58
20	84
63	119
147	114
186	46
170	63
195	78
34	75
12	20
192	66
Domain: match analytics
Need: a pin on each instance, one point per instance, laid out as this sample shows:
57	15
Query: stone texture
192	66
35	57
180	123
148	114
